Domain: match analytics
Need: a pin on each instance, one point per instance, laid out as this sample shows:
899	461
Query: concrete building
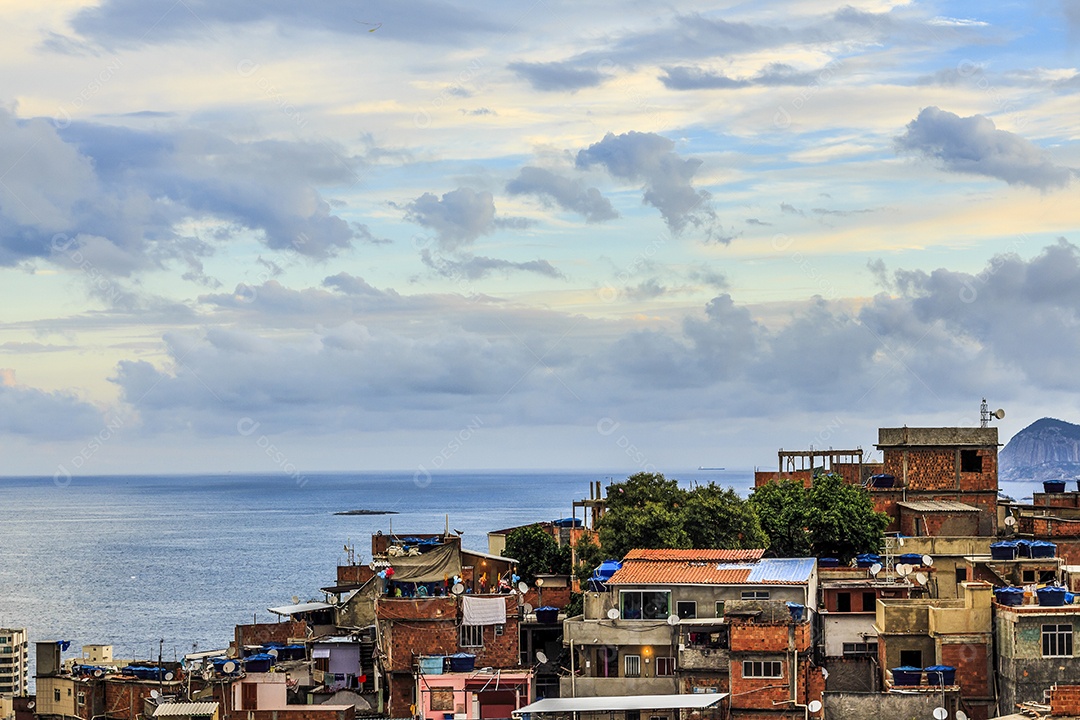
14	662
929	632
699	621
1035	649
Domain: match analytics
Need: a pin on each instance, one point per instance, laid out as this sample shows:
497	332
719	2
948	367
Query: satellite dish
539	582
1010	520
903	570
921	578
169	676
940	713
613	614
231	652
229	668
999	414
875	568
672	620
155	694
824	673
30	705
98	673
527	608
272	652
458	589
541	657
961	715
900	541
927	560
814	706
523	588
295	599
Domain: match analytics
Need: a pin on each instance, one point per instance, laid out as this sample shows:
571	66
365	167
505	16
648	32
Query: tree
842	522
716	517
781	507
832	518
589	555
537	553
649	511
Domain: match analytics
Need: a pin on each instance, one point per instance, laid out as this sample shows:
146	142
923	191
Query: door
249	696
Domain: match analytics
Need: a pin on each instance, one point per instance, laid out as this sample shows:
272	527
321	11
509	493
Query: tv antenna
985	416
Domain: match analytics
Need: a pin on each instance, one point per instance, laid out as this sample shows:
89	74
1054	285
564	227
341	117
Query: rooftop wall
938	437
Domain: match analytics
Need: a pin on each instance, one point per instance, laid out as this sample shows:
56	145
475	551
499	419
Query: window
471	636
686	609
961	575
81	698
970	461
1057	640
843	602
665	666
632	666
607	661
645	604
499	630
56	695
1028	576
911	658
857	649
755	595
719	608
869	602
766	669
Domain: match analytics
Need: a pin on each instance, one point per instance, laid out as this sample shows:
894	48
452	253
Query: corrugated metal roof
782	571
937	506
622	702
300	608
692	554
185	709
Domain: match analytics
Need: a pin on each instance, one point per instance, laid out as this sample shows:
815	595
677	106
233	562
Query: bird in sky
374	26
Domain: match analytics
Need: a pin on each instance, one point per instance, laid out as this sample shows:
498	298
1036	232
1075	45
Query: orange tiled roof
692	554
653	572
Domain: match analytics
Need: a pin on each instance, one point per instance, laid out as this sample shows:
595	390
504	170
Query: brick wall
749	637
1045	527
124	698
1065	699
263	633
939	524
764	477
1058	500
554	596
972	664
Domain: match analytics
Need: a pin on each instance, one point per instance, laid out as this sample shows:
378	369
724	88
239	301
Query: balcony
703	658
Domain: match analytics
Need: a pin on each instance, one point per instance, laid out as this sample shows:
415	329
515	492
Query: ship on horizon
702	467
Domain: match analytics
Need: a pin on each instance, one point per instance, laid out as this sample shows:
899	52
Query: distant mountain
1047	449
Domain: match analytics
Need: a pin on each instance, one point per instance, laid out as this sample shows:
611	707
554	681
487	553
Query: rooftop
185	709
937	437
937	506
768	571
685	554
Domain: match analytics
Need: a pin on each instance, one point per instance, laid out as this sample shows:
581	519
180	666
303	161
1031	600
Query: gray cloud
569	194
140	22
557	76
651	158
458	218
696	78
40	415
973	145
475	267
113	199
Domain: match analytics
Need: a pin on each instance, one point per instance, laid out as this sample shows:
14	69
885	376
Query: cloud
648	157
696	78
973	145
569	194
458	218
557	76
474	267
42	415
140	22
117	200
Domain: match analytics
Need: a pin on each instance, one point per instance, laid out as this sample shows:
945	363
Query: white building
14	662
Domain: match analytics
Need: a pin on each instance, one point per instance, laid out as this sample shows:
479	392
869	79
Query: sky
291	237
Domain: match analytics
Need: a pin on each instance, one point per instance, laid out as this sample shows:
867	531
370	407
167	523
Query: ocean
133	560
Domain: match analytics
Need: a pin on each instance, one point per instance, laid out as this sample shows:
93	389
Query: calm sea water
129	560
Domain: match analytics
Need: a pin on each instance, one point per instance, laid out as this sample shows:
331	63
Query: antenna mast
984	414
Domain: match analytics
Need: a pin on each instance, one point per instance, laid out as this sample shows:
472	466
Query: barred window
471	636
632	666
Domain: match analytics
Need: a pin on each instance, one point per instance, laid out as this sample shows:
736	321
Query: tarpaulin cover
483	610
433	566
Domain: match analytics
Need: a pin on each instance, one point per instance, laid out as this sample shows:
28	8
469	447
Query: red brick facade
263	633
1065	700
